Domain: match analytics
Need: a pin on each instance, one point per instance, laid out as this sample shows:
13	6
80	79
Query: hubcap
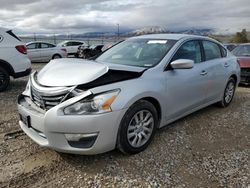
140	128
229	92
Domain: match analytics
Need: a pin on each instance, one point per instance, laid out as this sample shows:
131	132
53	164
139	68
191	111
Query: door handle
226	65
203	73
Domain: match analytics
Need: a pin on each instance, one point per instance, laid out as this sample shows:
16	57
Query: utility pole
54	38
118	31
34	36
102	37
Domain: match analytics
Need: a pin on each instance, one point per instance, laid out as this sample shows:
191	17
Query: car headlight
95	105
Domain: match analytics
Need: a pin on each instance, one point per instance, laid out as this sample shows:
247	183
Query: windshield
242	50
137	52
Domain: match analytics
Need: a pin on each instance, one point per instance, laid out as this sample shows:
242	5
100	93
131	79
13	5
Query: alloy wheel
140	128
229	92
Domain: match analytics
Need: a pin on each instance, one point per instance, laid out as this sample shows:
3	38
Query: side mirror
182	64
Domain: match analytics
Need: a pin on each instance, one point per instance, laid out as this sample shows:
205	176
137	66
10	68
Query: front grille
46	102
46	97
245	71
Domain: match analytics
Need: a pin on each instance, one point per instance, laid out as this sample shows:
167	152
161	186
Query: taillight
22	49
63	49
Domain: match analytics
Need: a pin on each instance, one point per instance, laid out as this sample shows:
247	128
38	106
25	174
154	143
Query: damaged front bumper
78	134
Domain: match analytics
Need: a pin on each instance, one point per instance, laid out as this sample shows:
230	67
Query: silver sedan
119	99
44	51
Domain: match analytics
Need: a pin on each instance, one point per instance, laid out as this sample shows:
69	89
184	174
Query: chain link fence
56	39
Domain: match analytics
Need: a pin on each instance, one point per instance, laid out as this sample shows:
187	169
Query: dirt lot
210	148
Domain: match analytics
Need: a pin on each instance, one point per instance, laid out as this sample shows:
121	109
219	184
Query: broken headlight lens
95	105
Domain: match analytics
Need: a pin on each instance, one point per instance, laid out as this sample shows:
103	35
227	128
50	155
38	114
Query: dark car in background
88	52
230	46
243	53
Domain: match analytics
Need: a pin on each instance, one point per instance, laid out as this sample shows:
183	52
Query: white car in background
44	51
13	58
71	46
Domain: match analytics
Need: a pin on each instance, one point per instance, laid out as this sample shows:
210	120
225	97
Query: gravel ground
210	148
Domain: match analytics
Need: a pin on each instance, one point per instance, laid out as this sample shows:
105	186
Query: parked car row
44	52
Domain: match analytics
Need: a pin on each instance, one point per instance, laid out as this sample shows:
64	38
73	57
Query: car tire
228	93
56	56
137	127
4	79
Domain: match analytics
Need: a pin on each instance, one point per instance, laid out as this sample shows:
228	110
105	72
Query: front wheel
137	127
228	93
4	79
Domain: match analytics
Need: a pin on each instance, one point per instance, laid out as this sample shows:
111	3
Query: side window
44	45
68	44
189	50
212	50
32	46
51	46
76	43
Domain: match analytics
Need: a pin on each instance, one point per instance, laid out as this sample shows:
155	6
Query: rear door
215	66
185	88
33	52
47	51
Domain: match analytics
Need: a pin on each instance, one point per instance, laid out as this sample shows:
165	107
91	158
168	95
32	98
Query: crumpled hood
244	62
72	71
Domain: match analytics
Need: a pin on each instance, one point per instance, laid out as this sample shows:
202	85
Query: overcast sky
80	16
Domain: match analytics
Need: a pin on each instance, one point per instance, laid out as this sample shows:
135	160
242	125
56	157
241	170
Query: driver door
186	88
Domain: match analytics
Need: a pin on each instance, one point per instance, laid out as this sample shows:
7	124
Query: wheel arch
234	77
7	67
56	55
157	106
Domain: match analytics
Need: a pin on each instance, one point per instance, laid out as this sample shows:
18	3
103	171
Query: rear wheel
137	127
4	79
56	56
228	93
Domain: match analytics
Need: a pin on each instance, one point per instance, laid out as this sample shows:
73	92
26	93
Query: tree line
240	37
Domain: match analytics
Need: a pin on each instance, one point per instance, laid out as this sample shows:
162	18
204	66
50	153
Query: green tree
240	37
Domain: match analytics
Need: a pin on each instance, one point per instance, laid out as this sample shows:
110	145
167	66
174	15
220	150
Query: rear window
212	50
12	34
